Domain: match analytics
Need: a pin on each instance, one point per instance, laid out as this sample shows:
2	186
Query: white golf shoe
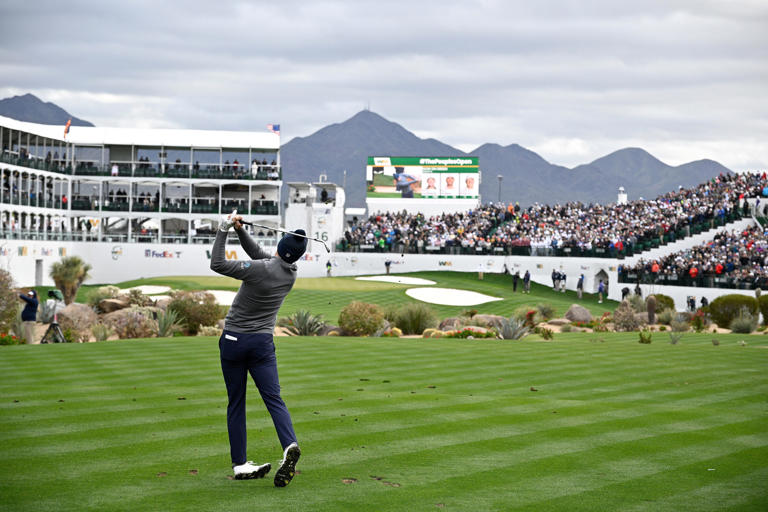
287	469
249	471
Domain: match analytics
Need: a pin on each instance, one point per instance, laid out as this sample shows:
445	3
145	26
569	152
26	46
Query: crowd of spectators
736	258
573	228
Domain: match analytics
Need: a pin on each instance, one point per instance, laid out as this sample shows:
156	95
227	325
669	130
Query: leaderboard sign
423	177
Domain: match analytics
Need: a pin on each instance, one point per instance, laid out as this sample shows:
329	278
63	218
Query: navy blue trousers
254	353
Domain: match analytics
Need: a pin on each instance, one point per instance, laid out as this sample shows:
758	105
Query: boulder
110	305
329	328
220	323
450	324
132	322
490	320
558	321
79	318
578	313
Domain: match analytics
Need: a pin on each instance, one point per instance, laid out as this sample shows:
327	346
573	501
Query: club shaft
285	231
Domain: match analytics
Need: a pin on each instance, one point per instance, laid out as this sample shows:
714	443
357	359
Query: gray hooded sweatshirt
266	281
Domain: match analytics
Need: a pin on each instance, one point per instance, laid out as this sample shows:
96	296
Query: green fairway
327	296
394	424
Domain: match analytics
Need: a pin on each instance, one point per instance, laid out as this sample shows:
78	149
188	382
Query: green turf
418	424
327	296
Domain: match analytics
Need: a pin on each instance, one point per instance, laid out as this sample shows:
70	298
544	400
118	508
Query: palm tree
68	274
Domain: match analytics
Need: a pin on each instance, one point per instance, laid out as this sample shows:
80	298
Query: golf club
284	231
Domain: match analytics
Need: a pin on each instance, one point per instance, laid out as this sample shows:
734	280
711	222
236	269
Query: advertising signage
409	177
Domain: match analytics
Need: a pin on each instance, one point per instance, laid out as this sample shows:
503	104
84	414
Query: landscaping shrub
637	303
9	339
390	313
566	328
675	337
209	330
744	323
474	332
546	334
48	310
469	313
665	316
762	303
131	323
645	337
664	302
700	321
101	293
624	318
414	318
360	318
17	325
727	307
137	298
546	311
9	301
514	329
302	323
522	312
679	323
194	309
101	332
168	323
432	333
70	336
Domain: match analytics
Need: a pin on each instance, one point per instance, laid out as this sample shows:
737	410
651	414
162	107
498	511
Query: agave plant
168	323
675	337
514	329
302	323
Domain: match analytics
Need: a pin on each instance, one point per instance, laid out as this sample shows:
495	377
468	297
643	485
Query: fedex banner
409	177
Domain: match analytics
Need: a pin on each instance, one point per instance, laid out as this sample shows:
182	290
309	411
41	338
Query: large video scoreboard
410	177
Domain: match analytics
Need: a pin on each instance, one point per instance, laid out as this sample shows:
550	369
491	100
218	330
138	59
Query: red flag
66	128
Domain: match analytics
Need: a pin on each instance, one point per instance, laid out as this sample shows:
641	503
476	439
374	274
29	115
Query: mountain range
526	176
32	109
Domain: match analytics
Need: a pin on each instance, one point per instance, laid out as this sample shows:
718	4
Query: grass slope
327	296
412	424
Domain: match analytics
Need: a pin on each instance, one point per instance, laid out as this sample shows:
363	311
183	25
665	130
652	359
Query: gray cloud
683	79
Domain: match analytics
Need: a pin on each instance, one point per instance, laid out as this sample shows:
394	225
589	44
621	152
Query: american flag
274	128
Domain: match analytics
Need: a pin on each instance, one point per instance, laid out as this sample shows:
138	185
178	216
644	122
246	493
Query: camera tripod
53	334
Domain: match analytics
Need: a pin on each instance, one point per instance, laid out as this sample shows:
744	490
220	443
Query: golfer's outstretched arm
249	245
242	270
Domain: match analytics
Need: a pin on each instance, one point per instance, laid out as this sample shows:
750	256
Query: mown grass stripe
473	434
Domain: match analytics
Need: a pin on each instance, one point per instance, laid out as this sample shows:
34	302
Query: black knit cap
290	248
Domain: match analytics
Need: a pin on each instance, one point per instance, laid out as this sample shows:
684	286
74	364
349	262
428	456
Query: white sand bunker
223	297
149	289
396	279
449	296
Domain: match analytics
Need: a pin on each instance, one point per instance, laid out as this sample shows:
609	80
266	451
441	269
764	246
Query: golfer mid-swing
246	344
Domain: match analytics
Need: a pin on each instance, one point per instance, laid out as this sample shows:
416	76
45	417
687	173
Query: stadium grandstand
732	259
573	229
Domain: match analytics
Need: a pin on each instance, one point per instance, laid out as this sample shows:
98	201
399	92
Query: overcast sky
570	80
